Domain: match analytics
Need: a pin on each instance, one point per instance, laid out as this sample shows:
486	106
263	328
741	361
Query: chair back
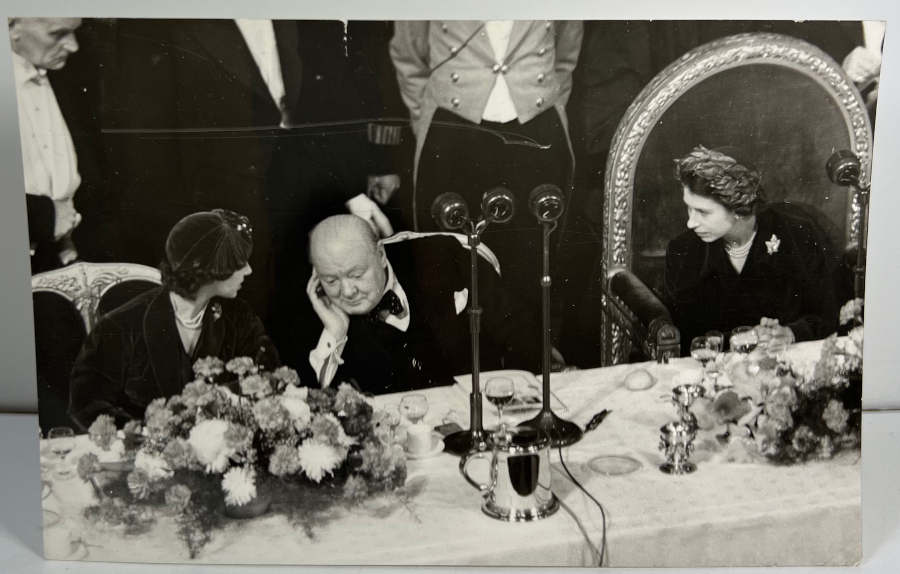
68	302
770	100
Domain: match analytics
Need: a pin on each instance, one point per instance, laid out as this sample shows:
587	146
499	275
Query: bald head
44	42
349	262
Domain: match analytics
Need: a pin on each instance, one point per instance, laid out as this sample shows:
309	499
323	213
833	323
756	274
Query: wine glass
744	339
777	349
701	351
414	407
714	341
62	441
500	391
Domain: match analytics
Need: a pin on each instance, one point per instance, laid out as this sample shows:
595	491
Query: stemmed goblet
500	391
62	441
703	351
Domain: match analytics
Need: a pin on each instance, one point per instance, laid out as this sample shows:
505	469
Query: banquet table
725	513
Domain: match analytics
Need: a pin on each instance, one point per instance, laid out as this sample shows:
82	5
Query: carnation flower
835	416
238	437
298	410
766	434
178	454
198	394
138	484
321	400
240	366
327	428
155	467
287	376
178	496
239	485
102	431
346	397
270	415
158	417
208	367
256	386
318	459
804	440
207	440
88	464
284	461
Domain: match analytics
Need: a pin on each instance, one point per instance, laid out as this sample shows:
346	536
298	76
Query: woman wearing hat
146	348
743	262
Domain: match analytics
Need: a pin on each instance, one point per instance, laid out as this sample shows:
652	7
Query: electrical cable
603	552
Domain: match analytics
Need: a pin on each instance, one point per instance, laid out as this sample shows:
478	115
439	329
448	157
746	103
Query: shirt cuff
326	357
361	206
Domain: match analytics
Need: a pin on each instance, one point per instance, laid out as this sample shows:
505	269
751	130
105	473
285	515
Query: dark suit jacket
203	132
795	284
383	359
135	355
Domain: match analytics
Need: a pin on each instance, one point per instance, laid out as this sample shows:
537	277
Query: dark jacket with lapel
794	284
437	346
135	355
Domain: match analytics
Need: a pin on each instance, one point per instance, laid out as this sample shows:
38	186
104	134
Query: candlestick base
560	431
465	441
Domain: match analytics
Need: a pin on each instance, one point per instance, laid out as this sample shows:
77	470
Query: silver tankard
519	487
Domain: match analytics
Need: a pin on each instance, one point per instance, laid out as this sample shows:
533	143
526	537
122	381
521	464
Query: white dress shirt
48	154
260	38
500	107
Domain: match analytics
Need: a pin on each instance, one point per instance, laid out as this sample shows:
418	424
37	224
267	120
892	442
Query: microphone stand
464	441
560	431
450	212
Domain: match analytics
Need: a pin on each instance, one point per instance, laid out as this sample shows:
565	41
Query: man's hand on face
334	319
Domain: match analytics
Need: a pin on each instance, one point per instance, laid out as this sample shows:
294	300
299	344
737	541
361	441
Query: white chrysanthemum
301	393
155	467
239	485
318	459
209	444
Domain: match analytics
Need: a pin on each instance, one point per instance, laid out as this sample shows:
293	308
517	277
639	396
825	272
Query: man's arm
569	34
409	52
97	376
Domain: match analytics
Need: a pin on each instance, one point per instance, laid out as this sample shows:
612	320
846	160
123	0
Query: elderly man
48	153
394	312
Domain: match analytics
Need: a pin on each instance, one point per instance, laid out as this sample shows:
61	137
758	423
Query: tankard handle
463	469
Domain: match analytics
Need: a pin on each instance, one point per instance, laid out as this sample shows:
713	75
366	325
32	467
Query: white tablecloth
723	514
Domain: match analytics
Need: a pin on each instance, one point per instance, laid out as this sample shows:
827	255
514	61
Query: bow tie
389	305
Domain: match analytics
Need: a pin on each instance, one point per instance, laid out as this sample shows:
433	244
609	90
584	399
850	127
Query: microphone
843	168
497	205
450	211
546	202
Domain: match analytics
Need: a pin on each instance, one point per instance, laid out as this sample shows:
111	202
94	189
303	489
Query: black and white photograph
448	292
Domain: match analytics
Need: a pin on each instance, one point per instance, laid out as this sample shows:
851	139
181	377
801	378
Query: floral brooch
773	244
216	308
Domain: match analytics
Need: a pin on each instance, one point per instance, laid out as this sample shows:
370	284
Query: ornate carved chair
67	304
771	99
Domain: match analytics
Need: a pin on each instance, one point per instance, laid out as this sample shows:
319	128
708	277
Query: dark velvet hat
217	241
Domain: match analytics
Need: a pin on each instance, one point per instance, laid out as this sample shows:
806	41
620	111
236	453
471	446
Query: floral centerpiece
787	413
233	438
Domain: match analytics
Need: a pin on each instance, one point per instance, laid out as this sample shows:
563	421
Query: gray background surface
17	387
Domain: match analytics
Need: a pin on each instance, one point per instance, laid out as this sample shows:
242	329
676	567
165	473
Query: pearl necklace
741	251
192	323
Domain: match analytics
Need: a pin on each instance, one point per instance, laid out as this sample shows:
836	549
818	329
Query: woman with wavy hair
745	262
146	348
